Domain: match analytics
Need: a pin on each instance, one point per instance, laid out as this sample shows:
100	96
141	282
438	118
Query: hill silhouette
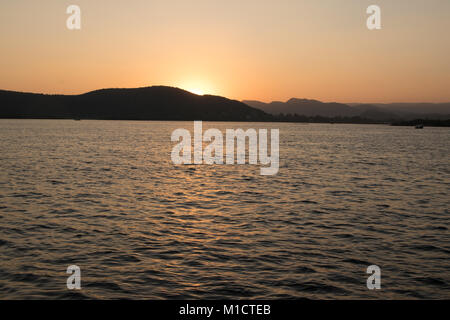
169	103
148	103
375	112
304	107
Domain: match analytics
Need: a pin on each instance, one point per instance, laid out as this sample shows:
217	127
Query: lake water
104	195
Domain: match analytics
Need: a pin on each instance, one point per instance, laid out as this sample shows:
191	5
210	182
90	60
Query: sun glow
199	92
198	87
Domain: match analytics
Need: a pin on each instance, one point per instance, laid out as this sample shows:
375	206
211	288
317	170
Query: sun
197	87
196	91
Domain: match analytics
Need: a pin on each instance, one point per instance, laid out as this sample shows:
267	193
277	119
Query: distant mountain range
378	112
168	103
149	103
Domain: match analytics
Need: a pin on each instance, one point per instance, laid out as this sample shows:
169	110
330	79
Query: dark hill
305	107
149	103
374	112
371	111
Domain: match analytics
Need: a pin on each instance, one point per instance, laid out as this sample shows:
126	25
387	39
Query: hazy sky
263	49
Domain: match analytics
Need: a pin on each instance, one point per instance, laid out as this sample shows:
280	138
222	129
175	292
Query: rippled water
105	196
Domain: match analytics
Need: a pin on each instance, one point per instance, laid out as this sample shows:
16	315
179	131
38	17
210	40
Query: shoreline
412	123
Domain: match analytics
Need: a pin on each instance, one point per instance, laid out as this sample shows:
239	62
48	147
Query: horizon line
223	96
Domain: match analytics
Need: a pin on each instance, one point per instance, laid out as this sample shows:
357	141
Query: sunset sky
263	50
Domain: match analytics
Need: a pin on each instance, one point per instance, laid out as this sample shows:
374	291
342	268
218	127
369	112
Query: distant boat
77	119
419	126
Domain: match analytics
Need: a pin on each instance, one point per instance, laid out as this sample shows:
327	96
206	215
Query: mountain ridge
171	103
145	103
374	111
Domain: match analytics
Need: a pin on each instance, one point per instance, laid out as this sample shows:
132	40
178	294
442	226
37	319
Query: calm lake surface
104	195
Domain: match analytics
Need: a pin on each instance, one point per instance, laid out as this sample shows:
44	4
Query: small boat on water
419	126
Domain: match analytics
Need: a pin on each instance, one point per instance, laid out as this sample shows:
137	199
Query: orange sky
262	50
